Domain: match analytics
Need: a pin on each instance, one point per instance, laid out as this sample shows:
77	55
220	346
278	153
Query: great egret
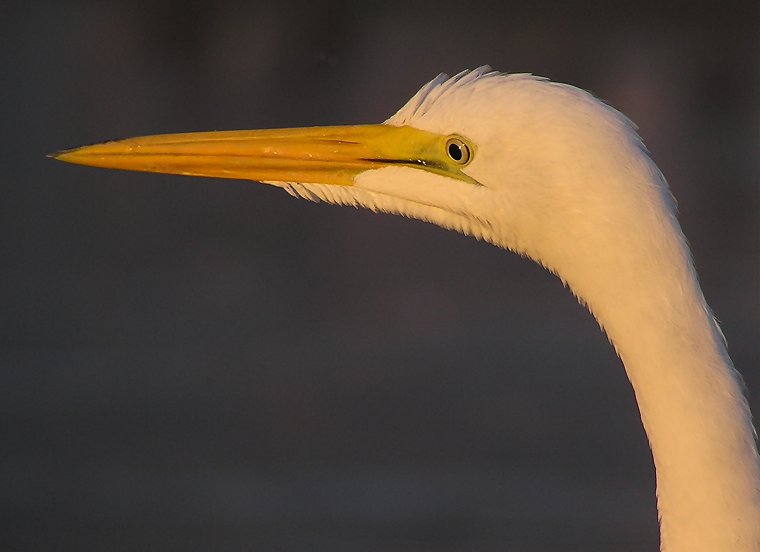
548	171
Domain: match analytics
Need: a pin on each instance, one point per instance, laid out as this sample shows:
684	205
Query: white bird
550	172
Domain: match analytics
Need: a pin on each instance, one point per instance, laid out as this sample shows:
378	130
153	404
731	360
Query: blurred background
196	364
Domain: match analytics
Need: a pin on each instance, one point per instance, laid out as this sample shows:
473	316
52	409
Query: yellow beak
318	155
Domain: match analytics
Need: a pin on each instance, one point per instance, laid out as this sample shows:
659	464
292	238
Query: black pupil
455	151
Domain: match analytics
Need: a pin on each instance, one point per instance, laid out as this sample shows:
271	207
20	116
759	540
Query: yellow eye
458	151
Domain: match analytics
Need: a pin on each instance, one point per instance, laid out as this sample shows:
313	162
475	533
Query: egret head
512	159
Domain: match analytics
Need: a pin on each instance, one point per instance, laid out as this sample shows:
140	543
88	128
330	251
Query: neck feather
636	275
693	410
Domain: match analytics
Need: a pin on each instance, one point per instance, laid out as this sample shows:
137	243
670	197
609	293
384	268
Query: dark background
213	365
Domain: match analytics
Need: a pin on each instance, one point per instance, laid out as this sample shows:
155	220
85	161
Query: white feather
566	181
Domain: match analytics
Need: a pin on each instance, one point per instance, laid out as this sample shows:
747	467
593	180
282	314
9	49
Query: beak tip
66	155
58	155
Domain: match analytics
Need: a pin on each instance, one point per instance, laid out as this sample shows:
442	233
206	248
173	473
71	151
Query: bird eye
458	151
